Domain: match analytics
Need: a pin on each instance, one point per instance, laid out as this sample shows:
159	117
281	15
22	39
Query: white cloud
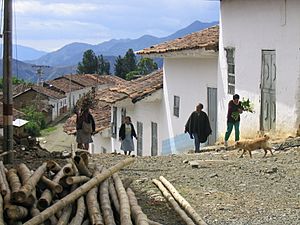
93	21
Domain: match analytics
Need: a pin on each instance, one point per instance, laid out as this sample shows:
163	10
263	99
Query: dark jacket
198	123
122	131
88	118
233	114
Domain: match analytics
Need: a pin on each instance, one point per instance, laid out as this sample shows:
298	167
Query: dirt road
224	189
57	140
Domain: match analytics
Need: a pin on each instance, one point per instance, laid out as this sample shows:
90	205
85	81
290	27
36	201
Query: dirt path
223	190
57	140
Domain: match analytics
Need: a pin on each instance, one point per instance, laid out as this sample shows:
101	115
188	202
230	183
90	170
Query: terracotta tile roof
207	39
135	89
16	114
64	84
48	92
81	79
19	88
106	79
42	90
101	116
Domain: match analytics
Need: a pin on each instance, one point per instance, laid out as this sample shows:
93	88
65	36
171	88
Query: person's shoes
226	144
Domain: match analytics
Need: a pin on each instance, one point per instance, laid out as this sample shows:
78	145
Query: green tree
103	65
131	75
36	120
125	65
119	67
146	66
130	61
15	81
89	63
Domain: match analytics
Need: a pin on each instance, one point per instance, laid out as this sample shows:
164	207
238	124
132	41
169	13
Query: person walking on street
198	127
126	134
233	118
85	126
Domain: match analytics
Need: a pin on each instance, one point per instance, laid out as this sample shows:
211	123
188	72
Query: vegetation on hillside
15	81
36	120
92	64
128	68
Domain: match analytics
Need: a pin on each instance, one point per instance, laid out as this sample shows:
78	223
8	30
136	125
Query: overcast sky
50	24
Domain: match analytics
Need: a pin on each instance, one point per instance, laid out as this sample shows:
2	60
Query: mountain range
65	59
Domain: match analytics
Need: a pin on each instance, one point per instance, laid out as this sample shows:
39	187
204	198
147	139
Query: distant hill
23	53
65	60
72	54
26	72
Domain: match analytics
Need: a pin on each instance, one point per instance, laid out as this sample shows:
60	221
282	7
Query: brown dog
258	143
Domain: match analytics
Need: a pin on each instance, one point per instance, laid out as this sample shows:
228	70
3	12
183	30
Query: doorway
268	91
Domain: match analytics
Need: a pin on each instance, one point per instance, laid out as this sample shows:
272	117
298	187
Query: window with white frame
230	70
176	106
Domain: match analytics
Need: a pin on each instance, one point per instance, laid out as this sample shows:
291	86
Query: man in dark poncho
198	127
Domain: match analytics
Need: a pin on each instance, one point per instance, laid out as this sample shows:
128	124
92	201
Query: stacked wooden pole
70	194
180	205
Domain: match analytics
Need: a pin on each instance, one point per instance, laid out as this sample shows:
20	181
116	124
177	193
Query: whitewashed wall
101	141
58	104
250	27
76	95
189	79
145	111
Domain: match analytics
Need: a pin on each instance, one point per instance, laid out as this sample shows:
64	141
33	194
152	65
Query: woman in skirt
126	134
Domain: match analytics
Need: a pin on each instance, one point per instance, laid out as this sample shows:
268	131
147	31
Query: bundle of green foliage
247	107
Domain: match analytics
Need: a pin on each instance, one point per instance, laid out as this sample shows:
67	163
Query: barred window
176	106
114	123
230	70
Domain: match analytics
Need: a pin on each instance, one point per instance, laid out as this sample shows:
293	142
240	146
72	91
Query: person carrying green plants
235	108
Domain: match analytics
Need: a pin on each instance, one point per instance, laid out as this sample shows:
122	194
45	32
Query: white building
189	78
160	103
141	99
260	60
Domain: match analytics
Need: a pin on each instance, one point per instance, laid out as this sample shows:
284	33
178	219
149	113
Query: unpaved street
224	189
57	140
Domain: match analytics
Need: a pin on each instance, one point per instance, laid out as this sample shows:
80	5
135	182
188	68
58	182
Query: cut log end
20	196
58	189
42	204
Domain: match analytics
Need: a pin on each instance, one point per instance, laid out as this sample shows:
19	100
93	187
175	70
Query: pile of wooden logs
73	194
180	205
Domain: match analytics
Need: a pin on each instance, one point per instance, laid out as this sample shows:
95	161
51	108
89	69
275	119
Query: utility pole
39	73
7	81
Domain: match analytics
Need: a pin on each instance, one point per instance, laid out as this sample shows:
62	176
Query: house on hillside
260	60
72	90
48	101
141	99
77	85
189	77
